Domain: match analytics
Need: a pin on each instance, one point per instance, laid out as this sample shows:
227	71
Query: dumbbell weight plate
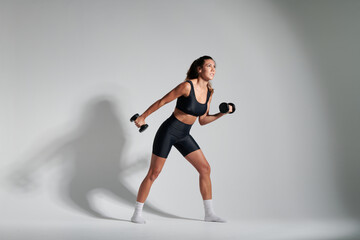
143	128
223	107
133	118
233	107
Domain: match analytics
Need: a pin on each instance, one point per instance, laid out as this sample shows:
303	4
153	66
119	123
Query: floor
41	216
159	228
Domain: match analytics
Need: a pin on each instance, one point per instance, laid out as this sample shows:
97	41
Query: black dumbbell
224	107
143	127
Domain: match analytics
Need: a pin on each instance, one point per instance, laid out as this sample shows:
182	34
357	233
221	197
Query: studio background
73	73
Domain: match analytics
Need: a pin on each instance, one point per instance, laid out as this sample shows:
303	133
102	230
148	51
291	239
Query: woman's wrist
220	114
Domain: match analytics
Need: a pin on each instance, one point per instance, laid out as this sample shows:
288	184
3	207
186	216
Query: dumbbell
142	127
224	107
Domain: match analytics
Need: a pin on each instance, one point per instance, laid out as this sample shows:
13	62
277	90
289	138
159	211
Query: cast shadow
93	156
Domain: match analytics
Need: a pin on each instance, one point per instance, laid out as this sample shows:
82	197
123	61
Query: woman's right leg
156	165
162	144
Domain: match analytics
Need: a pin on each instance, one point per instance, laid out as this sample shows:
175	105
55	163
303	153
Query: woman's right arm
182	89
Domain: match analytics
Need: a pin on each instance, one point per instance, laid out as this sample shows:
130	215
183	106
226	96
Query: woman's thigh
198	160
156	164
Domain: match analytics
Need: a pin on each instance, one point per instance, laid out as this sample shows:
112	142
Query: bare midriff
184	117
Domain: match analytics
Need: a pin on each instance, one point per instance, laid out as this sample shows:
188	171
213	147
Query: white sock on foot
210	215
137	216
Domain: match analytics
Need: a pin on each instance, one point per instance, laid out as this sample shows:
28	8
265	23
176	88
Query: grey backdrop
73	72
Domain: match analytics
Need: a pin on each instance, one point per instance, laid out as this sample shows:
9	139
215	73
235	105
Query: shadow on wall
94	151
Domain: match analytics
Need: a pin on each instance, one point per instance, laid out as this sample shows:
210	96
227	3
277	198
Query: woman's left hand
230	109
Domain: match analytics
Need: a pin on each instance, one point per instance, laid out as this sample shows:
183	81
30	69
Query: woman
193	100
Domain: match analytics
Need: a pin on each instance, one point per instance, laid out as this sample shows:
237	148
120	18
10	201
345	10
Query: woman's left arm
207	118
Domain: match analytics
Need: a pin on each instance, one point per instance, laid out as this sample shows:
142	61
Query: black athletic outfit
174	132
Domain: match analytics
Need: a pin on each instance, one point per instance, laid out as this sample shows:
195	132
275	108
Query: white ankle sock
137	216
210	215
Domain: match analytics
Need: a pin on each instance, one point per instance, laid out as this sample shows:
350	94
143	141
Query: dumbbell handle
142	127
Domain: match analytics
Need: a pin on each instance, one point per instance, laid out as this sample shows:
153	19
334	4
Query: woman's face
207	72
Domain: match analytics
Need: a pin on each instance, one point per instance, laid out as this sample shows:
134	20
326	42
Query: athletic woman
193	101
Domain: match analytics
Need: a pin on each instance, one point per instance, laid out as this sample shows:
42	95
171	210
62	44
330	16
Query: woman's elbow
162	102
202	122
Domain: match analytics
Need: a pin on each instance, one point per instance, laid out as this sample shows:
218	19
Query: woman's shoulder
186	84
184	88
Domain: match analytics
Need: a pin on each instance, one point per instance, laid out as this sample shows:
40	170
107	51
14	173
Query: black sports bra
190	105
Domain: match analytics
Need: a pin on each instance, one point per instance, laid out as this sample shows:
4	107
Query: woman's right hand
140	121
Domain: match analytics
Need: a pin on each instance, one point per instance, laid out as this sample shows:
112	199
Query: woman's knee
205	169
156	166
153	174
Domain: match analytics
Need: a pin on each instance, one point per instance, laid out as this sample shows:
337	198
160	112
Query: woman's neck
201	82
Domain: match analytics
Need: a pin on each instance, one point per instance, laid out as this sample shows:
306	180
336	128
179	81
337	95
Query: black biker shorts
173	132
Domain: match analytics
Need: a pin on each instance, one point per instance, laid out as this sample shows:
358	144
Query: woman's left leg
198	160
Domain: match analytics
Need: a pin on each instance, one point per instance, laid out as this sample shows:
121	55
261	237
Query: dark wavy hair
193	70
